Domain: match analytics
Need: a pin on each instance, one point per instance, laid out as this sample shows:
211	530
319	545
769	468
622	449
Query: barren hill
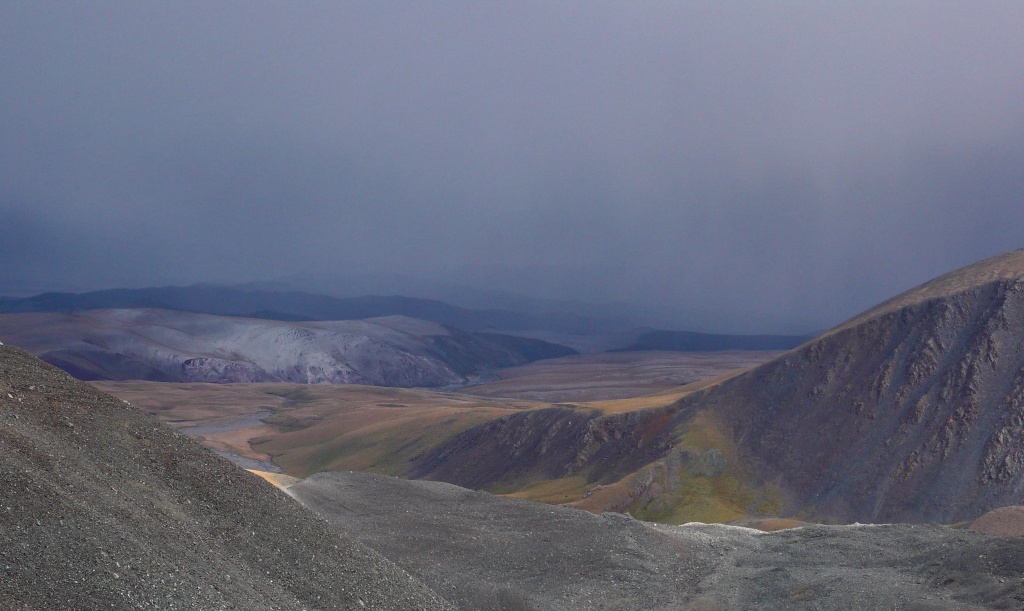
912	411
105	508
165	345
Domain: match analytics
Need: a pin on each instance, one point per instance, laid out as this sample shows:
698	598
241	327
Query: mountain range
177	346
909	412
302	306
240	334
289	305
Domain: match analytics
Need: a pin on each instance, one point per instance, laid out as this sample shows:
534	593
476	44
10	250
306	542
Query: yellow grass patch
280	480
658	399
774	524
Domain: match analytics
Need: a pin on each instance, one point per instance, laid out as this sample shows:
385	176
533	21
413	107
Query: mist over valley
511	306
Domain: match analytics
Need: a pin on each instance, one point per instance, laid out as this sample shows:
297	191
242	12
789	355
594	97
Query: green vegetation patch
555	491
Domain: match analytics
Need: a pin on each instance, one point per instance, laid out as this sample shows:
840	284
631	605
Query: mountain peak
1005	267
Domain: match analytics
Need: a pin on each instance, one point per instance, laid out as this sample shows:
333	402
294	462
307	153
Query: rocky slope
912	411
163	345
105	508
550	443
487	552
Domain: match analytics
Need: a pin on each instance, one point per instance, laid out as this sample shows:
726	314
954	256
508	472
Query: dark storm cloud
735	166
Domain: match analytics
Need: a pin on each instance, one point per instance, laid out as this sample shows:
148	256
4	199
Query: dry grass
615	376
319	427
672	492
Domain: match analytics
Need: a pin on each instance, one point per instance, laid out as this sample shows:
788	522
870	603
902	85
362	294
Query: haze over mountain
688	341
581	332
762	168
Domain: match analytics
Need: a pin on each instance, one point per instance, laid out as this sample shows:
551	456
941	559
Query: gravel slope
105	508
487	552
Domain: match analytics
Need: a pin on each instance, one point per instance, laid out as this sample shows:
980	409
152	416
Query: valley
620	461
397	431
111	498
511	306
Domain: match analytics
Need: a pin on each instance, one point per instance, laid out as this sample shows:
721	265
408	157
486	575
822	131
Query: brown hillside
105	508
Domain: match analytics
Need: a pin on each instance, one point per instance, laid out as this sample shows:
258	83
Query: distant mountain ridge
565	328
176	346
690	341
296	305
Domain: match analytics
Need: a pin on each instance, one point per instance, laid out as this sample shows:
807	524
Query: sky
753	167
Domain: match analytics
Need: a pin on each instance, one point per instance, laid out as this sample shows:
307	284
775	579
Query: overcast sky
752	166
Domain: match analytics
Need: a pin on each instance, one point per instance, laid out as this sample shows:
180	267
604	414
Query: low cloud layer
746	167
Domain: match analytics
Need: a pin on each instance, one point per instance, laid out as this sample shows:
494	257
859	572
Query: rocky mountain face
105	508
913	411
548	444
163	345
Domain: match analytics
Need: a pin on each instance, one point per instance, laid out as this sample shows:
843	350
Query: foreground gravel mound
105	508
487	552
1005	522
